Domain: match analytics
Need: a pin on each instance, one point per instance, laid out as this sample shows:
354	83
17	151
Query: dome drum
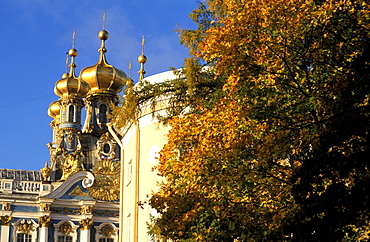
69	125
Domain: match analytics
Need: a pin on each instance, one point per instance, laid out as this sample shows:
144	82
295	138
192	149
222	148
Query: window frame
32	231
100	235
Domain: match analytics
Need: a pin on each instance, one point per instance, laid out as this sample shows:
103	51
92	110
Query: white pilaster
85	235
43	234
4	233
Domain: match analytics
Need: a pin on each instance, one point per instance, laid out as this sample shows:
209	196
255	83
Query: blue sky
36	34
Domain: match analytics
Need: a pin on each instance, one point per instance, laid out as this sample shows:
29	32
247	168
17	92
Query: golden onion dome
70	85
54	110
102	77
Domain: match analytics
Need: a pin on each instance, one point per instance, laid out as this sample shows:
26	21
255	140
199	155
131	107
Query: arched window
106	148
106	232
103	113
65	231
64	238
71	113
22	237
25	230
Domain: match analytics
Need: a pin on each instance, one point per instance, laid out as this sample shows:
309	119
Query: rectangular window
106	240
22	237
129	173
128	232
64	238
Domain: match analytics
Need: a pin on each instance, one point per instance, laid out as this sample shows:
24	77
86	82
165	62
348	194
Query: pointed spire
73	38
104	19
142	59
103	36
129	68
72	53
142	44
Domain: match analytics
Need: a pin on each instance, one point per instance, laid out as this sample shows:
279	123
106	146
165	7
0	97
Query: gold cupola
70	86
54	110
102	77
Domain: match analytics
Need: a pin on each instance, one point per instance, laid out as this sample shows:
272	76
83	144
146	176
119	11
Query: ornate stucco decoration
44	207
46	171
86	223
66	211
65	228
71	165
106	181
107	231
106	213
5	220
25	226
88	127
44	221
6	206
86	209
106	147
78	192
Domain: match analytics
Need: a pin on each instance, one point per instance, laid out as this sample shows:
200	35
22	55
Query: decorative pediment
73	188
65	227
25	225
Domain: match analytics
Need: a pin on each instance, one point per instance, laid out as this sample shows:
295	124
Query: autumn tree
273	143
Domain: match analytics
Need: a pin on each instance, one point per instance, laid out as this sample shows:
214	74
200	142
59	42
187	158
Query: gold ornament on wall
5	220
106	231
25	226
44	221
71	165
46	171
65	228
106	181
44	207
86	210
6	206
86	223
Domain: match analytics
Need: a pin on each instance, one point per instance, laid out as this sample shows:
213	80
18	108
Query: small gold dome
102	77
54	110
70	85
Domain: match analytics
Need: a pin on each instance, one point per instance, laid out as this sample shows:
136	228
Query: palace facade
91	188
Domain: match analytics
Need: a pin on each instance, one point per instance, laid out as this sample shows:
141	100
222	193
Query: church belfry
105	83
66	148
75	147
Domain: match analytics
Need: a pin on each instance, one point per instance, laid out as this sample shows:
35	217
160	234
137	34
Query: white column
44	224
4	233
5	228
85	235
43	234
85	229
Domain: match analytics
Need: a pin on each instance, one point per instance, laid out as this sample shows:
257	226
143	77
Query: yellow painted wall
151	140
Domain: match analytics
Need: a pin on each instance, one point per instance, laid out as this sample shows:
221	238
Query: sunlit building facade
93	166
